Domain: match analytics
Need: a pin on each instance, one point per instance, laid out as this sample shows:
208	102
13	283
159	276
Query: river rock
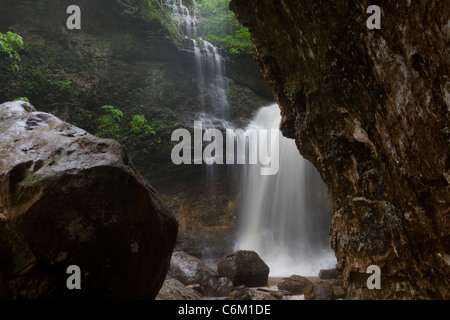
241	292
319	290
219	287
190	270
244	267
173	289
295	284
330	274
70	198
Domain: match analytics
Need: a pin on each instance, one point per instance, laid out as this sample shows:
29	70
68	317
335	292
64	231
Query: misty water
279	216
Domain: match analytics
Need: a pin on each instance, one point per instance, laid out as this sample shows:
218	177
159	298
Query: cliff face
370	109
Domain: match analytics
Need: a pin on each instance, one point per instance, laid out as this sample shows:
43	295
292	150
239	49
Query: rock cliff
370	109
69	198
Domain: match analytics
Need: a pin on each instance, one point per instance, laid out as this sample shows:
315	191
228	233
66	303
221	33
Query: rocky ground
244	276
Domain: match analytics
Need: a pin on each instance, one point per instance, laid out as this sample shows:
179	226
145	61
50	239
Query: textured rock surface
319	290
190	270
330	274
241	293
294	284
173	289
219	287
370	109
244	268
71	198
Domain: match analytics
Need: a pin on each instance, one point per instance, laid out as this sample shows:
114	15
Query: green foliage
66	84
222	29
139	124
134	131
153	9
218	23
109	123
22	99
10	44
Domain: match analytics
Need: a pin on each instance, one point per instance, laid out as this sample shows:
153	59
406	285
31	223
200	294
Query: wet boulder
219	287
295	284
70	198
173	289
244	267
241	293
190	270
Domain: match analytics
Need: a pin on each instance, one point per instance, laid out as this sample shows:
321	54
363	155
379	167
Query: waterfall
210	64
182	15
215	91
279	218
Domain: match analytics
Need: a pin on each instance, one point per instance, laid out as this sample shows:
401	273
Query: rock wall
69	198
370	109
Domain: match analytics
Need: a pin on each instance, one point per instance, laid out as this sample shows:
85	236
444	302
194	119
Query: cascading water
279	218
183	16
209	62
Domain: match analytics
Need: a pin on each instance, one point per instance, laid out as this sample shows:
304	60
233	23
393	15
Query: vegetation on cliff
10	46
218	23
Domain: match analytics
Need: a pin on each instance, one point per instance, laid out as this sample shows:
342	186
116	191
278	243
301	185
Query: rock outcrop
70	198
244	268
370	109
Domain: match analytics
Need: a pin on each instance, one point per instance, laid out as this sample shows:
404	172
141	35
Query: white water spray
278	218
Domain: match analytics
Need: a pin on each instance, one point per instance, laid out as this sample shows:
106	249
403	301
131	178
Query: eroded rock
295	284
319	290
241	292
173	289
370	109
330	274
219	287
244	267
71	198
190	270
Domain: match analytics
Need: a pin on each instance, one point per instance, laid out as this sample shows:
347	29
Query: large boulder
190	270
70	198
244	267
